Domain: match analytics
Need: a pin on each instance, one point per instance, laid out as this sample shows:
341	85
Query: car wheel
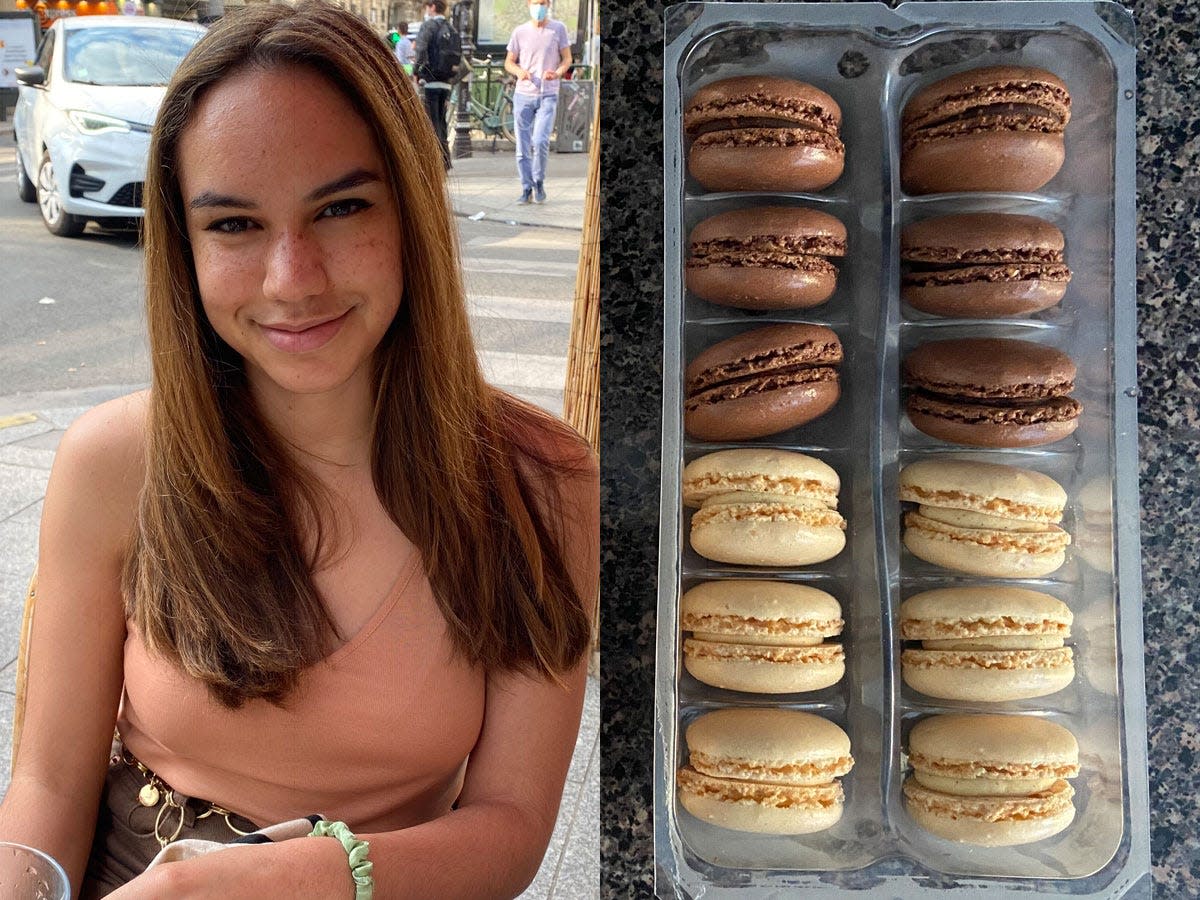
25	189
49	198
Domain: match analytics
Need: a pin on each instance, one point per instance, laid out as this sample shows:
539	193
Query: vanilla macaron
764	507
984	518
768	771
991	780
986	643
764	637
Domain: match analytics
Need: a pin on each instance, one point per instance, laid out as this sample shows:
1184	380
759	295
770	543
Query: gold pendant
148	795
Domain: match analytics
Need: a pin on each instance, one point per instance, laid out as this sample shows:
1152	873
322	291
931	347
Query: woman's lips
313	337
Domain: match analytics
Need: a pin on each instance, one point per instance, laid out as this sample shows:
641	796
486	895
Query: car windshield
126	56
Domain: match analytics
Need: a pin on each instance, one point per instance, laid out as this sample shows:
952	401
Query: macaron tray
922	422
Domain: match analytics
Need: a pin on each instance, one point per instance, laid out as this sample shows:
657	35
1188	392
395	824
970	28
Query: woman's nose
295	267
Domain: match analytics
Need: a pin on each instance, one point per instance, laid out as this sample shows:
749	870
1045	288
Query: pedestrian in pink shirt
539	54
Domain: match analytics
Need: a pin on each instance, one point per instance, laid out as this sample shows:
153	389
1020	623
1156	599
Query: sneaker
526	196
539	193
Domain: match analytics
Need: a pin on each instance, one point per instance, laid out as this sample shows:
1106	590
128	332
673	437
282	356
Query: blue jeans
534	120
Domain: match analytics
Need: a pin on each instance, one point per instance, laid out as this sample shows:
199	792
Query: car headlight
95	123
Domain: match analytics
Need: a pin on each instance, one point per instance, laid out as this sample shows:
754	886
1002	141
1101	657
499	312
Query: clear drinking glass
28	874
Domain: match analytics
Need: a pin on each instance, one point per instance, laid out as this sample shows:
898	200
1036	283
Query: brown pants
125	841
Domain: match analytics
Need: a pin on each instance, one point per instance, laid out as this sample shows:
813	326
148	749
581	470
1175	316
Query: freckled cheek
228	283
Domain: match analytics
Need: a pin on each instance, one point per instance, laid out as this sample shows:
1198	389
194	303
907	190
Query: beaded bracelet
356	850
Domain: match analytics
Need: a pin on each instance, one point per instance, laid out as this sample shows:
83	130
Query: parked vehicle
84	113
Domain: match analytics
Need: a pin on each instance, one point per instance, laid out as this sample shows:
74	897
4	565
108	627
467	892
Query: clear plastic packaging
871	58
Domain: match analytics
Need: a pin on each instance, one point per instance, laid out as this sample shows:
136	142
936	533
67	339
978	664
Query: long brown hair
219	579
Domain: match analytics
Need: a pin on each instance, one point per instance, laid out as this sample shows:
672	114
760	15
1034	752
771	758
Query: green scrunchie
356	850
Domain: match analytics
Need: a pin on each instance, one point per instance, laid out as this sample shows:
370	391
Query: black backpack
444	53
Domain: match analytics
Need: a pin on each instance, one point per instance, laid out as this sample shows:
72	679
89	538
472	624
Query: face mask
538	12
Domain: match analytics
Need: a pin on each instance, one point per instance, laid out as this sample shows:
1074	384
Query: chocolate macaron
775	257
998	128
979	265
762	382
991	392
764	133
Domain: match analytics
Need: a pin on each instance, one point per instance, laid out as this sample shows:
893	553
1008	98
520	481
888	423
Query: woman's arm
76	643
492	844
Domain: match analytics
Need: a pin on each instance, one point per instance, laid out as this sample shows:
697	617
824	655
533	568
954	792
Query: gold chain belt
156	791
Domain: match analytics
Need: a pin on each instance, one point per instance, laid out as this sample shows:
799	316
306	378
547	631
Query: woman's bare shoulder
100	460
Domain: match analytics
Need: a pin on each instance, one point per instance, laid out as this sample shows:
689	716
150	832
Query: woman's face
295	234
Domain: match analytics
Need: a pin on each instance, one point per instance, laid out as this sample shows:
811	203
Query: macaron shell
959	92
773	406
760	534
763	612
763	470
991	821
987	676
990	612
985	787
747	287
981	236
761	809
1023	746
988	553
768	160
762	669
1014	161
769	744
982	300
990	369
991	488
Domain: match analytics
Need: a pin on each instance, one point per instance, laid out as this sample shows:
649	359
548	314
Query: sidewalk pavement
483	187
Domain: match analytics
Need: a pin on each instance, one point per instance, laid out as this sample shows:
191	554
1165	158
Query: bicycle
494	118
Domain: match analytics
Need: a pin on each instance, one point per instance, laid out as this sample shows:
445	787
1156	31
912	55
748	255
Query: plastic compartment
871	59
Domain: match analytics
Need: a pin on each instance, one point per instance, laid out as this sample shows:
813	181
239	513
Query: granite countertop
1168	182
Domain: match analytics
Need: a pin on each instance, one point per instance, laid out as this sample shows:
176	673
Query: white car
84	113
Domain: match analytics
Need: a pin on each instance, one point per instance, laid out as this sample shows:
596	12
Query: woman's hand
301	868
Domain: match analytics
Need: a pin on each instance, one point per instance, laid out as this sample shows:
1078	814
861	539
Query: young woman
320	567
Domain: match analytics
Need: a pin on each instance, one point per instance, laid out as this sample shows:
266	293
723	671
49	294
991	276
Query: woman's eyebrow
351	180
209	199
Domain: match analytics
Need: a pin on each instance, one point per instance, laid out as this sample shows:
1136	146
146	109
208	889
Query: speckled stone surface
1168	179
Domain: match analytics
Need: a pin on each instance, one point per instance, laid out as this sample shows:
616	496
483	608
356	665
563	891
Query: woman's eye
233	225
342	208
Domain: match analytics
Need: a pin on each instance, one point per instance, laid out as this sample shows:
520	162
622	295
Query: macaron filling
1015	105
710	484
739	507
757	108
1001	412
1002	507
748	629
771	137
816	770
1052	540
989	808
769	252
813	654
783	796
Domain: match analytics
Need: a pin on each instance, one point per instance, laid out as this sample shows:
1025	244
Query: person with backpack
539	55
437	57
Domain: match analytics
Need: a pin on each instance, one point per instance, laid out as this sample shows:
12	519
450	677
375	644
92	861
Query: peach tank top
365	739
